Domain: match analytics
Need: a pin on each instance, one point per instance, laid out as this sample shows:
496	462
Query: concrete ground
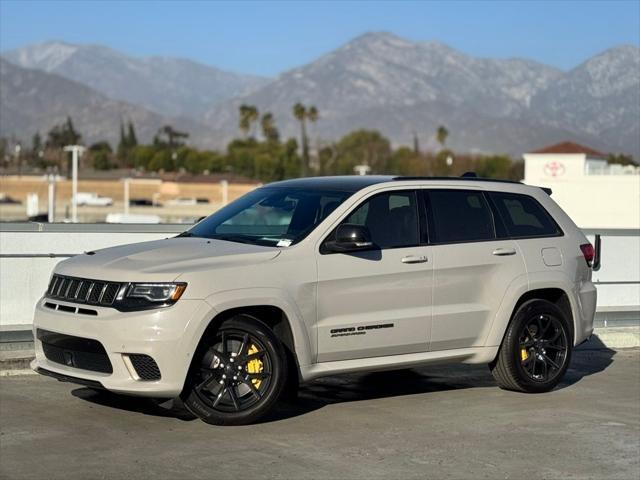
434	422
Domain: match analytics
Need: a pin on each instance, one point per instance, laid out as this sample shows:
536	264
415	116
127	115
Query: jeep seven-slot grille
83	290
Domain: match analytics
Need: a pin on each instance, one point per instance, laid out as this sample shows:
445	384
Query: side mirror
350	238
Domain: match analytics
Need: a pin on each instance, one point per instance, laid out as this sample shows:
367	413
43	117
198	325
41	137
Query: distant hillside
377	80
31	100
170	86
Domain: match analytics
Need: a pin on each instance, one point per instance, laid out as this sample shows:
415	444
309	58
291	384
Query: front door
377	302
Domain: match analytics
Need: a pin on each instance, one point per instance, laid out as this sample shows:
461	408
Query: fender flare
519	287
273	297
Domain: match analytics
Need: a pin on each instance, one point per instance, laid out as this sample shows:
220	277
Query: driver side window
391	218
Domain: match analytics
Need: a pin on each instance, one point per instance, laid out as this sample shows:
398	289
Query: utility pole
126	195
51	210
76	151
224	189
18	148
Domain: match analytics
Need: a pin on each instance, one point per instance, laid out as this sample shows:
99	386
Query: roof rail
466	177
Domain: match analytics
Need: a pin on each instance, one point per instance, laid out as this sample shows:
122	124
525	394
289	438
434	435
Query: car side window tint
459	216
391	218
523	216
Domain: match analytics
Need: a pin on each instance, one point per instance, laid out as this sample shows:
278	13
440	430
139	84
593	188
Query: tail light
589	253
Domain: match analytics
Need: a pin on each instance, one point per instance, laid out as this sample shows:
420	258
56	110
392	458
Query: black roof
353	183
345	183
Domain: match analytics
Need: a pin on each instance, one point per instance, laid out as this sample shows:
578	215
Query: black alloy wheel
239	376
543	347
536	348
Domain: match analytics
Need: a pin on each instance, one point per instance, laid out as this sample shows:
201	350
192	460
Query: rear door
377	302
472	266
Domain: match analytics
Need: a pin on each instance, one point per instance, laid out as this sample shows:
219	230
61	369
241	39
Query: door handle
414	259
503	252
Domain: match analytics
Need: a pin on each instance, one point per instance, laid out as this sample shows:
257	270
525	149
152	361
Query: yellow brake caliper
524	354
254	366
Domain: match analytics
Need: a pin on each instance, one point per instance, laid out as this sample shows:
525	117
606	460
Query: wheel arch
273	315
557	292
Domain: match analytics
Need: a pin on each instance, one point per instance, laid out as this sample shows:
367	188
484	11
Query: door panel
377	302
469	284
373	304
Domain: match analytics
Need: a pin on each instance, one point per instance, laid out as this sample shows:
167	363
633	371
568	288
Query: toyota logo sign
554	169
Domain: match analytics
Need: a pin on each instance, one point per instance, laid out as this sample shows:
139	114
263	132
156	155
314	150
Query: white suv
319	276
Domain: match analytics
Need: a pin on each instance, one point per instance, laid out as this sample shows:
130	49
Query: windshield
270	216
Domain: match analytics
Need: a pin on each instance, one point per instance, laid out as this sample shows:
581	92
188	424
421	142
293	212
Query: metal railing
30	251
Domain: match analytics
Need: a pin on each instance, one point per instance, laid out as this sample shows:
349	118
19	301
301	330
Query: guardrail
30	251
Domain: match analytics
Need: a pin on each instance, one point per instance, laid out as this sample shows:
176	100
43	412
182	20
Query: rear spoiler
546	190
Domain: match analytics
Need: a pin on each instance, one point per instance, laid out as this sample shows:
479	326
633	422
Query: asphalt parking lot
435	422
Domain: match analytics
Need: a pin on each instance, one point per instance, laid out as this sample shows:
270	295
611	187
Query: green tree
302	114
63	134
495	166
269	129
36	144
248	115
169	137
368	147
620	159
141	156
100	154
132	139
441	135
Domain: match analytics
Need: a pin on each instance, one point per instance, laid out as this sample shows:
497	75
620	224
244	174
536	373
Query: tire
536	349
239	374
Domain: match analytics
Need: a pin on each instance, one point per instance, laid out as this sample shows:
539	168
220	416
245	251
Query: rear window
459	216
523	216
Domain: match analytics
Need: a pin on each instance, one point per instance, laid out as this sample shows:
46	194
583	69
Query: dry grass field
151	189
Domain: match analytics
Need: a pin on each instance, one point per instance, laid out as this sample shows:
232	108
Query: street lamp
76	151
18	148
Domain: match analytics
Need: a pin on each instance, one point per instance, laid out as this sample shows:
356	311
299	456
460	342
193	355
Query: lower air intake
145	366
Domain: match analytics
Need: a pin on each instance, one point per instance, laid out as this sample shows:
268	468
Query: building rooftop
570	147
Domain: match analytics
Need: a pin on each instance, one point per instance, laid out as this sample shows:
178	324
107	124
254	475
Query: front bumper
168	335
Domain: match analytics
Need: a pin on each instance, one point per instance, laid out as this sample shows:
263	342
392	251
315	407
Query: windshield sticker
285	242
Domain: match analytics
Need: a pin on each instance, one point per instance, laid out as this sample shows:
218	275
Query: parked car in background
187	201
319	276
93	200
8	200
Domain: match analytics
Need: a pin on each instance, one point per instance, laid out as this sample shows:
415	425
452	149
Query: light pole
126	195
18	148
76	151
51	207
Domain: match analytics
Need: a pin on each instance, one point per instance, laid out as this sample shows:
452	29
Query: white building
594	193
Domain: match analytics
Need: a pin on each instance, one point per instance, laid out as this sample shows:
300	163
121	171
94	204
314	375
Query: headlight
143	296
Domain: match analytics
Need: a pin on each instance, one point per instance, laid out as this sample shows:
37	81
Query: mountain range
377	80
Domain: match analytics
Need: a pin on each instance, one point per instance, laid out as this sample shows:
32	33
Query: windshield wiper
185	234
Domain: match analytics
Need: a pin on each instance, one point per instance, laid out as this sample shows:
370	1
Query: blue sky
268	37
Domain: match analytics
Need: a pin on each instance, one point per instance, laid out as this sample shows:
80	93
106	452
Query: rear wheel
536	349
240	374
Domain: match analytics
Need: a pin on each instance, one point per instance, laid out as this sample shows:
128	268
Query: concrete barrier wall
29	252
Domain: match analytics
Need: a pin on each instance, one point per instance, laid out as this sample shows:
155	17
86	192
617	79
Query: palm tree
441	135
248	115
269	129
302	114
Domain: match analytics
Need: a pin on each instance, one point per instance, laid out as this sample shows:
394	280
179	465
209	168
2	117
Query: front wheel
535	350
240	374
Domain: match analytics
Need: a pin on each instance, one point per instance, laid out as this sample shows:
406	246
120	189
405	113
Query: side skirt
459	355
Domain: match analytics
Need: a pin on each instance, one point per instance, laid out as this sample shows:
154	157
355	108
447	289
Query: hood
163	260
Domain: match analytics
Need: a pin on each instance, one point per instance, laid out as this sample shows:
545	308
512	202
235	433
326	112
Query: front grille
76	352
83	290
146	367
